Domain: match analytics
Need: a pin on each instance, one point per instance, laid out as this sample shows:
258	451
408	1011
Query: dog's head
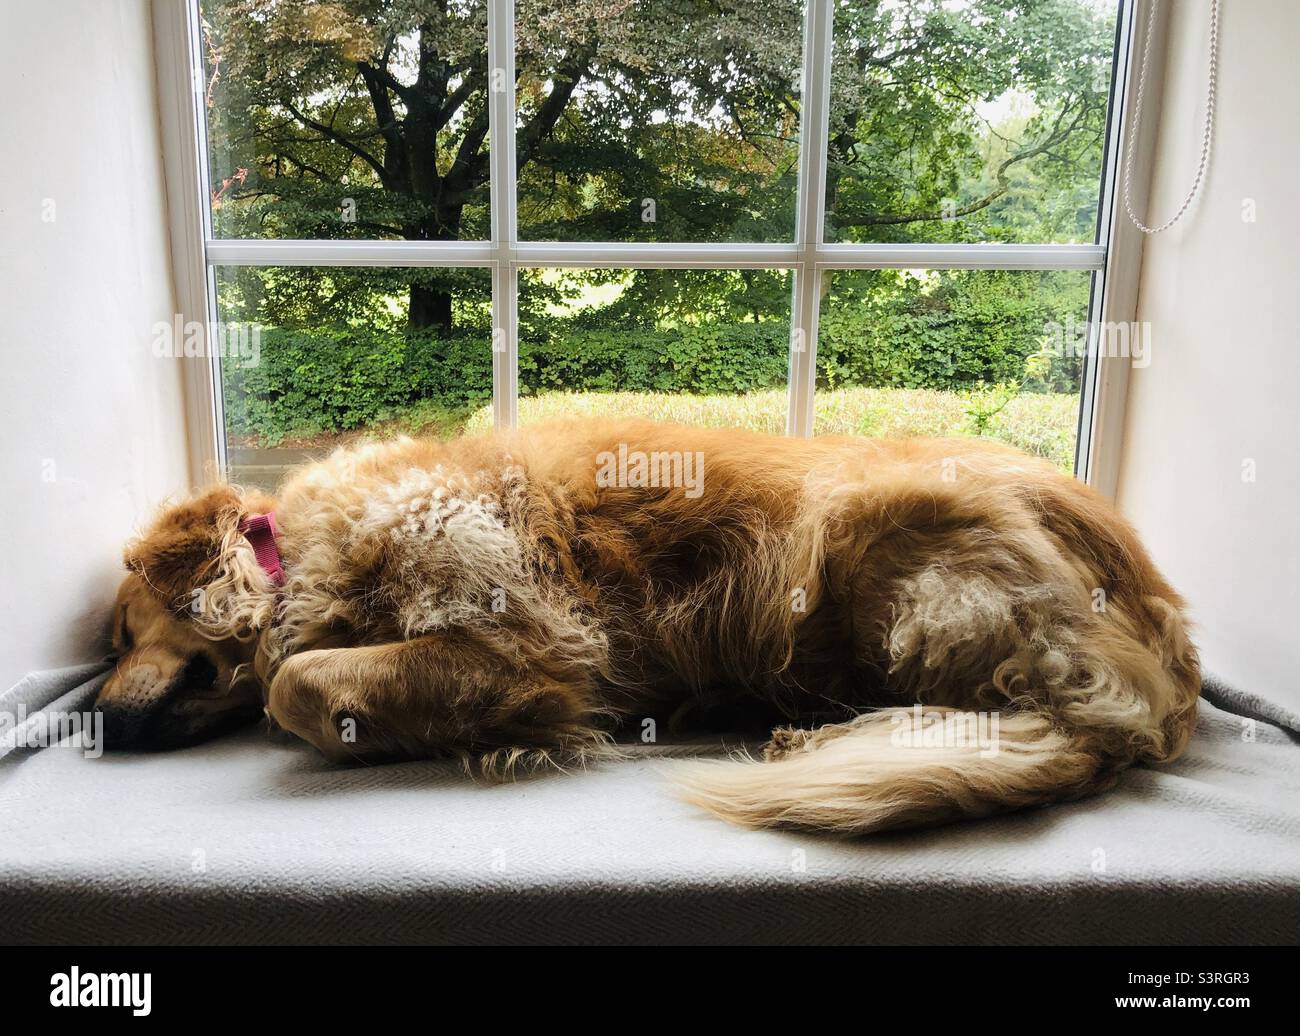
184	628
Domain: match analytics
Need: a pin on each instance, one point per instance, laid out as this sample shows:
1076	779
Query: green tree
369	118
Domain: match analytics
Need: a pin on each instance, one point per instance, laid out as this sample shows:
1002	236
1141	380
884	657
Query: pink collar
261	531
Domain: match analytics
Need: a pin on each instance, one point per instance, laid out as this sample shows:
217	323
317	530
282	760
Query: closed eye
122	641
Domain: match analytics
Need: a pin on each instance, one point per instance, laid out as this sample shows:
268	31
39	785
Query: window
705	347
832	216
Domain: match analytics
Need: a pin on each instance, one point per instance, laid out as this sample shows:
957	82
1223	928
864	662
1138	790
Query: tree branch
566	80
332	134
1056	136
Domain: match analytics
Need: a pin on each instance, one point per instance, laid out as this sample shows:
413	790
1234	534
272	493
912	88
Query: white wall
92	431
1221	296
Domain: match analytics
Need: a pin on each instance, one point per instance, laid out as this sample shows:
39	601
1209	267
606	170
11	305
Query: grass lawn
1043	424
1039	423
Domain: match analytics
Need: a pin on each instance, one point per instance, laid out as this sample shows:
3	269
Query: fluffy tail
902	768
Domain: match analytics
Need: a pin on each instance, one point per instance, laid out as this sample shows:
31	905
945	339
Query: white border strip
1103	413
180	86
600	254
655	255
1112	164
349	253
963	257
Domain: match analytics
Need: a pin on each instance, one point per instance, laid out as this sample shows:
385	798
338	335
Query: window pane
316	357
705	347
956	352
968	120
658	120
359	119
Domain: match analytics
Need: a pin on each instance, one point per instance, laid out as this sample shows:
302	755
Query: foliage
369	119
340	379
946	329
935	335
312	381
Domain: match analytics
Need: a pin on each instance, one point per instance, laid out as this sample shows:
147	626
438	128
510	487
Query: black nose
122	726
148	721
198	676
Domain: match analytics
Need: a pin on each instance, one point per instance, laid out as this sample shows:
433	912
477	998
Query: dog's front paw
307	698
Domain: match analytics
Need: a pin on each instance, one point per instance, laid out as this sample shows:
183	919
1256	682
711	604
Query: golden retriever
948	627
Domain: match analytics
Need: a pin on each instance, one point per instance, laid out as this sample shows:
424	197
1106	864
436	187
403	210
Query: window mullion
505	278
813	120
199	296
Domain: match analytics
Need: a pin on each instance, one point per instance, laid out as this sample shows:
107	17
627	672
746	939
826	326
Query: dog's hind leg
992	630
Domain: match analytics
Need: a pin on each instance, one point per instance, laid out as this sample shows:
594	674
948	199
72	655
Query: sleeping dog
942	628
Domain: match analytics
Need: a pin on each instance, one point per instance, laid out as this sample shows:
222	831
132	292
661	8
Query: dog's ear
179	552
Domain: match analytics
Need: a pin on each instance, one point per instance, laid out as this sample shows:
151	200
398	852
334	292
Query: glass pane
968	120
314	357
954	352
358	119
658	120
704	347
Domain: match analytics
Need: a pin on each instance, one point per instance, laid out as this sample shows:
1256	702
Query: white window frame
1115	263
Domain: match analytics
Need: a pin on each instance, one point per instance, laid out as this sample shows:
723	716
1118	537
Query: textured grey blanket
245	840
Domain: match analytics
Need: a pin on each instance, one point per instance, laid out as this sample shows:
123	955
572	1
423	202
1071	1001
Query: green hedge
698	359
963	333
342	378
338	379
975	328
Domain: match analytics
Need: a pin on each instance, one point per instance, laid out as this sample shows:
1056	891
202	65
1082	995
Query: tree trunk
430	307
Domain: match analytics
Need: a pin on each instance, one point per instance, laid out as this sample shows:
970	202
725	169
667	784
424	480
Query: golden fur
490	598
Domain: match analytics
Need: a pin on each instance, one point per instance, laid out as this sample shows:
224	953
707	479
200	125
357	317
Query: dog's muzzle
144	715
